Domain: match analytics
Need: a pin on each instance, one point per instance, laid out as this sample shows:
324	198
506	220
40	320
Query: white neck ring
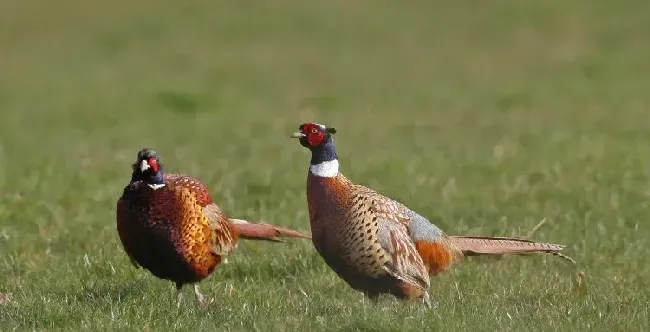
326	169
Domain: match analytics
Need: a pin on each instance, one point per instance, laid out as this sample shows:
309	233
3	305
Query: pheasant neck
324	161
157	181
154	181
326	169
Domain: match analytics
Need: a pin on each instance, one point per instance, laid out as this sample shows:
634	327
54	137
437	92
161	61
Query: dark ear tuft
330	130
147	153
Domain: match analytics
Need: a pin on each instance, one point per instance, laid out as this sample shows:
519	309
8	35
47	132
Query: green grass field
484	116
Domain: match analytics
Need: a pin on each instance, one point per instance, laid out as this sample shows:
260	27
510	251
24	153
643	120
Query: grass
486	117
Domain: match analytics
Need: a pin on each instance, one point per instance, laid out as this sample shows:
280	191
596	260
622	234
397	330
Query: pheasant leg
200	298
179	294
426	300
374	298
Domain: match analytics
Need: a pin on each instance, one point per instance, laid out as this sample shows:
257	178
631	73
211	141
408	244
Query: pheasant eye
314	131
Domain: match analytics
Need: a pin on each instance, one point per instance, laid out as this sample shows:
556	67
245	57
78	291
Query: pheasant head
148	169
318	139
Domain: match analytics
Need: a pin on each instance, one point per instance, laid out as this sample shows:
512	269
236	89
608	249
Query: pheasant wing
388	220
222	236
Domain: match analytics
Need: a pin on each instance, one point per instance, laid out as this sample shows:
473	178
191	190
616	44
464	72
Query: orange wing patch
195	233
435	255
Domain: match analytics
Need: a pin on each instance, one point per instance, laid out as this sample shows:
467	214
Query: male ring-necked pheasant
169	225
376	244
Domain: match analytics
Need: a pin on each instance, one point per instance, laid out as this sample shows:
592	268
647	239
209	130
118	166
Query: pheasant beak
144	165
298	135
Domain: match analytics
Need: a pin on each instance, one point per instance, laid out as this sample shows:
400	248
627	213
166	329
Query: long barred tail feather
265	232
480	245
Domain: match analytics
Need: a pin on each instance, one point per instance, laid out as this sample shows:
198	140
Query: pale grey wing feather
421	229
406	263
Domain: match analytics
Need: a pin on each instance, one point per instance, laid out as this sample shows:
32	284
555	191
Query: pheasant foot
426	300
200	298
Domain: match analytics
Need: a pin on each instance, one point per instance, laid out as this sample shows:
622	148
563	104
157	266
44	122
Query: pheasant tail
478	245
266	232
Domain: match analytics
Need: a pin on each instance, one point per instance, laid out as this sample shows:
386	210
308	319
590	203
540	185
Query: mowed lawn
487	117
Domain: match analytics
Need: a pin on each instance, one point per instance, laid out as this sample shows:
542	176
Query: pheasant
169	225
376	244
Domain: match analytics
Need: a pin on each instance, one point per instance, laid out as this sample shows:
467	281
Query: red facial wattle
153	163
313	133
315	139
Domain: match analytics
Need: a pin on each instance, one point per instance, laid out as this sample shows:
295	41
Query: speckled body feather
366	239
176	231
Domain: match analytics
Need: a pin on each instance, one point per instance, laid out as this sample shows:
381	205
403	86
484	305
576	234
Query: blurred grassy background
486	117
